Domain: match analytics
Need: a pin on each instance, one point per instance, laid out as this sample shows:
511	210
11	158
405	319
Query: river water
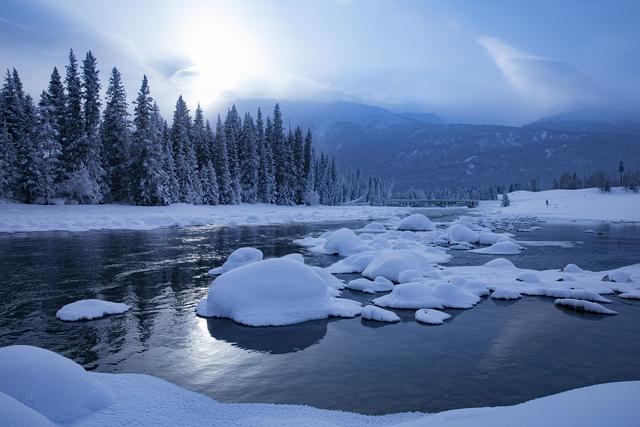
497	353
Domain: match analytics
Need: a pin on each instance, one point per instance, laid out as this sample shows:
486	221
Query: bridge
423	203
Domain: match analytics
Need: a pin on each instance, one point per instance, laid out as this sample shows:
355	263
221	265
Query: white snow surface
143	400
507	294
581	305
431	317
88	309
416	295
588	204
273	292
380	284
631	294
16	217
371	312
416	222
503	247
237	258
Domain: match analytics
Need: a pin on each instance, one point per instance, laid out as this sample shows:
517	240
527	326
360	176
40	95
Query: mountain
414	152
429	118
591	120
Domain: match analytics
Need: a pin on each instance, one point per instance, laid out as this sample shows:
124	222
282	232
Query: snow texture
506	294
581	305
143	400
416	222
371	312
380	284
20	218
273	292
88	309
503	247
239	257
431	317
416	295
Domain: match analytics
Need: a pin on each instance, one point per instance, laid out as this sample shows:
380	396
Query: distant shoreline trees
65	147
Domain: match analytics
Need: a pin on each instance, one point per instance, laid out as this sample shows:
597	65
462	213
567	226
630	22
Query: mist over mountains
422	150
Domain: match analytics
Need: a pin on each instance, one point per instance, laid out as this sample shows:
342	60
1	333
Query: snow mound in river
241	256
273	292
416	222
416	295
88	309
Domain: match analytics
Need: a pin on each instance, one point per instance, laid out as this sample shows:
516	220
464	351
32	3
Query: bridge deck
419	203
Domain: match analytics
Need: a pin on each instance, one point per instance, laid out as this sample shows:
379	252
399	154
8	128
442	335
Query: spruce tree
116	135
57	103
248	161
210	190
73	123
268	166
12	122
184	155
232	129
222	165
297	168
46	154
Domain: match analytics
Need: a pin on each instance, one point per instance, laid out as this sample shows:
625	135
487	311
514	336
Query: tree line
67	147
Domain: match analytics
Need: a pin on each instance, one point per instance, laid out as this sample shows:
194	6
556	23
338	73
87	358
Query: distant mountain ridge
420	149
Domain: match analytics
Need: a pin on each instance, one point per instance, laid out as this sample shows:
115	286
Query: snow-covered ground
19	217
588	204
41	388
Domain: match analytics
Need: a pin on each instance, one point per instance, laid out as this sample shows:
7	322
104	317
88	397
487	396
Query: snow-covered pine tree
147	166
116	135
248	160
267	166
311	196
232	130
297	157
222	165
170	176
73	122
47	151
11	120
57	102
210	190
505	200
26	149
281	157
185	157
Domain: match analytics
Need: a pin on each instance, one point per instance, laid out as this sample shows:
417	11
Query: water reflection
278	340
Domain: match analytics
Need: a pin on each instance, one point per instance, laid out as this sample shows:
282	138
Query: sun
221	57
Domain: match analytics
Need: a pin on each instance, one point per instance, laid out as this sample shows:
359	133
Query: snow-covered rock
354	263
88	309
331	280
344	242
503	247
416	295
582	294
273	292
431	316
506	294
617	276
371	312
488	238
296	257
571	268
528	277
390	264
380	284
416	222
501	263
241	256
374	227
631	294
409	276
462	233
582	305
54	386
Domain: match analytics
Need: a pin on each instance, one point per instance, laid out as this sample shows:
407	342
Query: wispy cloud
547	83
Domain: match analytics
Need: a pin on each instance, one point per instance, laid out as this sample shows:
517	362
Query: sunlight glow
221	57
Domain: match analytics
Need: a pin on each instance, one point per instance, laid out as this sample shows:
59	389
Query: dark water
497	353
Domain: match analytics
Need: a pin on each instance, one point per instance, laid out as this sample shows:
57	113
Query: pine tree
505	200
248	161
222	165
267	166
57	103
7	157
12	122
73	123
47	150
209	178
147	164
185	158
232	130
297	168
116	135
26	150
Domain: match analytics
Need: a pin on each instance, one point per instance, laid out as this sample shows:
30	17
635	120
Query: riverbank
588	204
27	218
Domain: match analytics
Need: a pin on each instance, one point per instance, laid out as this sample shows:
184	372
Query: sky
489	61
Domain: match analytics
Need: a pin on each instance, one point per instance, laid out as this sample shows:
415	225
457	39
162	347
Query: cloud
546	83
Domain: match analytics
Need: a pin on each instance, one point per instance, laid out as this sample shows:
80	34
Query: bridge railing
432	202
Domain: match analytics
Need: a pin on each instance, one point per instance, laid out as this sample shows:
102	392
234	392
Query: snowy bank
586	204
21	218
95	399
